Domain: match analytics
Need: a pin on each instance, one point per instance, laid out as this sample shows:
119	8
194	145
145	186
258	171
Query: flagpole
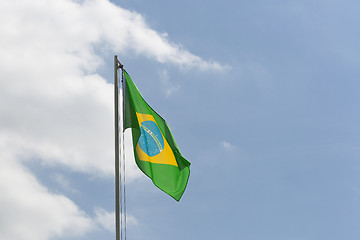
118	188
117	147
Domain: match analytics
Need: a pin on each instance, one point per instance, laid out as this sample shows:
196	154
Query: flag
155	150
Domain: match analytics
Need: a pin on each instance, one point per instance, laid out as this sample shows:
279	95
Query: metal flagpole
119	190
117	148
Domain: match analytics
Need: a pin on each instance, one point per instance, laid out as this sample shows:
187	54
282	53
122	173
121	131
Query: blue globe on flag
151	140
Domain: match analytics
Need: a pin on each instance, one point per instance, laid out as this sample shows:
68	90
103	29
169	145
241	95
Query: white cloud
227	145
106	219
53	104
54	107
170	87
64	183
29	211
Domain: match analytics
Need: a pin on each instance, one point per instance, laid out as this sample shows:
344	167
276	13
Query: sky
261	97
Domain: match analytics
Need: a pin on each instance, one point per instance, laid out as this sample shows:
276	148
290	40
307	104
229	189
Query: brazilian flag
155	149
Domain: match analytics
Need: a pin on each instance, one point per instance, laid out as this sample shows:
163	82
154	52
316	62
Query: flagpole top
118	63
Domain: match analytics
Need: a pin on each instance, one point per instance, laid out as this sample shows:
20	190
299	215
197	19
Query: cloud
30	211
53	104
106	219
54	107
64	183
228	146
170	87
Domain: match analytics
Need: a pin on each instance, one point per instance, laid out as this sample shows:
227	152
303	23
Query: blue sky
261	96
